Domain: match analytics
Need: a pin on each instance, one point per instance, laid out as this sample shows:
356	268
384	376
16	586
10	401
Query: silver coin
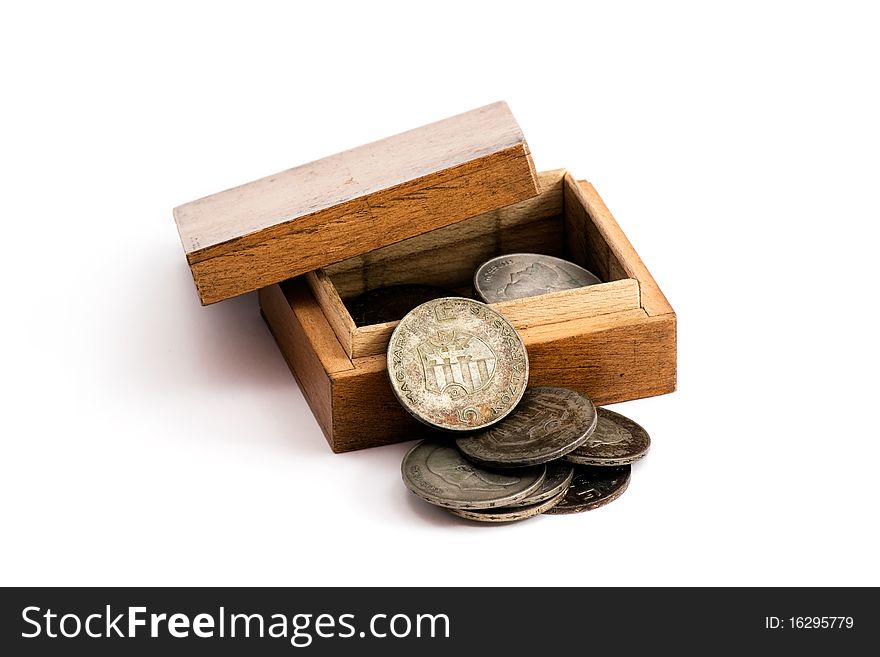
519	275
438	473
617	440
547	424
593	487
557	480
510	514
457	364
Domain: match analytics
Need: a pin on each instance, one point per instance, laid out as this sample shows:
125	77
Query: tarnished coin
519	275
547	424
557	480
391	303
438	473
617	440
456	364
510	514
593	487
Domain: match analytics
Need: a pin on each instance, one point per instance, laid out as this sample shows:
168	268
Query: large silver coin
510	514
519	275
438	473
557	480
457	364
547	424
593	487
617	440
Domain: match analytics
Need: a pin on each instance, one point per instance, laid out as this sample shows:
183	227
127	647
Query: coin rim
486	504
536	460
426	421
510	514
598	461
546	496
590	506
482	297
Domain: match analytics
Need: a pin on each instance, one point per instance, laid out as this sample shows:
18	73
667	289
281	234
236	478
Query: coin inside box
614	341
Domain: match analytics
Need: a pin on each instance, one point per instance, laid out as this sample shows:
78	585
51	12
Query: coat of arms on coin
457	364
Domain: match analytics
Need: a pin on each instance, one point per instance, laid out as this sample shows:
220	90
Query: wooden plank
357	201
623	360
611	358
550	333
334	309
366	412
372	340
566	305
295	344
314	324
585	244
621	257
454	252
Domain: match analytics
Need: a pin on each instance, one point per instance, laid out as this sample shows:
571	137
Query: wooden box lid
350	203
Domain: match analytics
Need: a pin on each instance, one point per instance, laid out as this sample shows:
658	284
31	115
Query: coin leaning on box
500	452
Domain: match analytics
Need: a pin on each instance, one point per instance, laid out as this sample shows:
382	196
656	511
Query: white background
147	440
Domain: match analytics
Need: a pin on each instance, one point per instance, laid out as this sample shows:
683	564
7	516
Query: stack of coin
458	366
556	453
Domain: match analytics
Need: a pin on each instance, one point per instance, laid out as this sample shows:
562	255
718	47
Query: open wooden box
614	342
427	206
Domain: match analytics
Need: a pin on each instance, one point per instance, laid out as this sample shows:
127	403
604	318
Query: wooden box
614	342
428	206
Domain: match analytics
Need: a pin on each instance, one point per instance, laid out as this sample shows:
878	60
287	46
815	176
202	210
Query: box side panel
633	359
295	345
334	309
365	411
605	238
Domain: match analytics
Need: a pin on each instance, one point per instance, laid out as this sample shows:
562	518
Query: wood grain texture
357	201
566	305
367	414
302	351
523	313
371	340
447	257
611	361
334	309
620	256
585	243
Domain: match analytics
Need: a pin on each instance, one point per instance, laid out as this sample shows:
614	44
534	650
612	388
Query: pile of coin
500	451
555	453
460	368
